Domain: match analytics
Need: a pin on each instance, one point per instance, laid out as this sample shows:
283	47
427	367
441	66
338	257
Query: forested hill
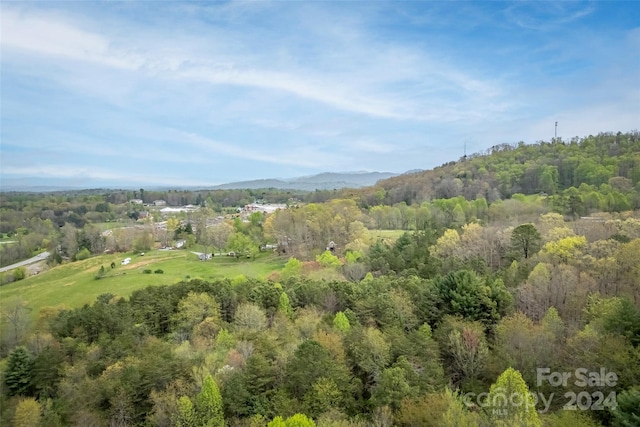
604	171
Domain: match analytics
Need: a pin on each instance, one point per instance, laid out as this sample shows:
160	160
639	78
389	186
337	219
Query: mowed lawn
74	284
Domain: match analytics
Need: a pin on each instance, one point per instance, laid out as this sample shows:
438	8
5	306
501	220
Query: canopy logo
502	402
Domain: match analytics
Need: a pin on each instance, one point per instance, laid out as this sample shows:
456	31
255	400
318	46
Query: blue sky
130	94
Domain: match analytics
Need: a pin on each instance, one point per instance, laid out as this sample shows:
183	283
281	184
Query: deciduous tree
511	403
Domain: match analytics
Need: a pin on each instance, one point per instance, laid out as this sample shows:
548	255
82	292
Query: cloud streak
253	90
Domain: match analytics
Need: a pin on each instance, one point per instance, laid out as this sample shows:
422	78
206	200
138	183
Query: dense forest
511	297
601	170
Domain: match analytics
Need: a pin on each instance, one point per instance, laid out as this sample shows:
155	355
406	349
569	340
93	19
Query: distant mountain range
323	181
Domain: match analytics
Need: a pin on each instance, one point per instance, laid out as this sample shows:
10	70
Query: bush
19	274
82	254
328	260
147	271
159	271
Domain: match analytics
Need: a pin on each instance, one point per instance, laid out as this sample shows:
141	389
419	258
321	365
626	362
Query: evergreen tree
17	376
208	405
525	240
627	414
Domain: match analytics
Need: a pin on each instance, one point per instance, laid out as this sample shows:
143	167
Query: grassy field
389	236
74	284
110	225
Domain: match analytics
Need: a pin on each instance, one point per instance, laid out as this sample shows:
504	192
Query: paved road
41	257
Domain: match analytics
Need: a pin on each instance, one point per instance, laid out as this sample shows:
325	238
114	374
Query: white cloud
364	82
303	156
51	35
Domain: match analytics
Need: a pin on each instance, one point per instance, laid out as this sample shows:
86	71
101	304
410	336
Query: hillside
605	164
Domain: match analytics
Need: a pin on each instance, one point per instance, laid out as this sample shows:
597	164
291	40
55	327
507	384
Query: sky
130	94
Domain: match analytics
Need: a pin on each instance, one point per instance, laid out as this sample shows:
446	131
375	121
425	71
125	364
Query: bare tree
15	321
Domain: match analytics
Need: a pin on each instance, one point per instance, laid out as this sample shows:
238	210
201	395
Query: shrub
159	271
147	271
82	254
19	274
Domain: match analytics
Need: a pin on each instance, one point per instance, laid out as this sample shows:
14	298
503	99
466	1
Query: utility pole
555	133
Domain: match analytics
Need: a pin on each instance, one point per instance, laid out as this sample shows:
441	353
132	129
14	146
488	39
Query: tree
277	422
626	413
15	321
341	323
292	268
241	244
369	351
526	239
464	293
328	260
311	362
17	375
458	216
173	225
463	348
284	306
297	420
47	371
566	249
391	388
523	345
143	242
510	403
208	405
456	415
549	180
69	243
27	413
250	318
447	247
468	351
194	309
323	396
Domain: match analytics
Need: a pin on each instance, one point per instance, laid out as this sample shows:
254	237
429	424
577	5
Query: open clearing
74	284
388	236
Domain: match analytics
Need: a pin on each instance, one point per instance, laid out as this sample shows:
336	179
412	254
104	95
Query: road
40	257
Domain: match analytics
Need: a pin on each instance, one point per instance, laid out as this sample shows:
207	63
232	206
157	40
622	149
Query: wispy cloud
237	90
370	89
545	16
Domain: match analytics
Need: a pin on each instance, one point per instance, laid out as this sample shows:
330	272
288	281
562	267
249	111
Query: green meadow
74	284
388	236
